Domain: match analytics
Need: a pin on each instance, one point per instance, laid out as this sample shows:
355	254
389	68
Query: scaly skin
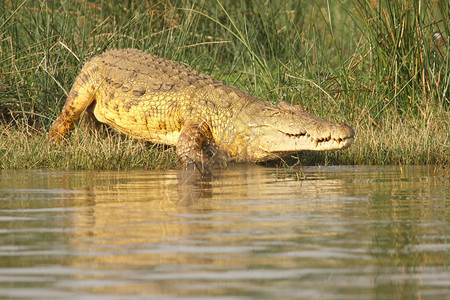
151	98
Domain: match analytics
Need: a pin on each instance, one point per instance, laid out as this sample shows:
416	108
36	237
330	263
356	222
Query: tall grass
376	65
406	40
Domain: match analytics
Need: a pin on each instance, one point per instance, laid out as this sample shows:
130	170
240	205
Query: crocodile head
280	130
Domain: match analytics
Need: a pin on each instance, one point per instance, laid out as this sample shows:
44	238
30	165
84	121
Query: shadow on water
246	231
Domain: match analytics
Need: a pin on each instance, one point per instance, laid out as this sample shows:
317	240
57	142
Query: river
246	232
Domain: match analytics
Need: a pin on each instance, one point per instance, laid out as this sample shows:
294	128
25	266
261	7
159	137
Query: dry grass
23	147
398	140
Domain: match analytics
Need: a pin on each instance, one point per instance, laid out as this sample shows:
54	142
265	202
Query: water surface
248	232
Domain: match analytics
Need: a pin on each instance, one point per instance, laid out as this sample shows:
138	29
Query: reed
381	66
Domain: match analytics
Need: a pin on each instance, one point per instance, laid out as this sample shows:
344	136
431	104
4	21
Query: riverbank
383	68
393	140
23	147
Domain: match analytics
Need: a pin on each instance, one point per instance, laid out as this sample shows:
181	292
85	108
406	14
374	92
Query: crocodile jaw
340	136
288	143
276	137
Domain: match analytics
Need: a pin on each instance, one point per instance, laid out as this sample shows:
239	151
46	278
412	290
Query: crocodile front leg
194	140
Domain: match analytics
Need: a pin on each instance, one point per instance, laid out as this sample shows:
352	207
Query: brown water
248	232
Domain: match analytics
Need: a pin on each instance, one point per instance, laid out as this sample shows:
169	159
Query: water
249	232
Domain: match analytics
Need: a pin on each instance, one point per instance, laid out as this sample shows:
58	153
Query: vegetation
381	66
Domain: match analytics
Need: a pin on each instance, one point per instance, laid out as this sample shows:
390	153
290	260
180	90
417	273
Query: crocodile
151	98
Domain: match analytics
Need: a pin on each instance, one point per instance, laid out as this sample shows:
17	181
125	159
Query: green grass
374	64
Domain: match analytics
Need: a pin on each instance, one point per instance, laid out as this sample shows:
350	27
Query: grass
376	65
24	147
